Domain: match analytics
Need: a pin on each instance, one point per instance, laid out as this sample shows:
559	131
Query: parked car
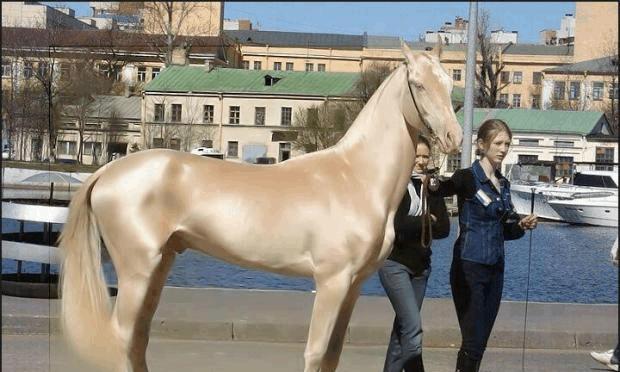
208	152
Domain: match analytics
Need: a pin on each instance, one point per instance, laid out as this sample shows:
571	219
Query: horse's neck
378	145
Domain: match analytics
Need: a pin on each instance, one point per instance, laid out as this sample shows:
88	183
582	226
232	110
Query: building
565	35
245	114
202	18
237	24
31	14
138	56
504	37
113	129
585	85
449	33
561	136
596	30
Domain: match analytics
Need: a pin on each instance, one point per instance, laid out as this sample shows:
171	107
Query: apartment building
31	14
244	114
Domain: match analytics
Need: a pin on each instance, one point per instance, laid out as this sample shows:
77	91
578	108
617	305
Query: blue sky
404	19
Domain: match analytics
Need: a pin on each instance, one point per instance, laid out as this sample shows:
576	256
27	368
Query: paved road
26	353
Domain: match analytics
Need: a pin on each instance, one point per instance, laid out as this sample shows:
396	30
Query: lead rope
527	286
425	238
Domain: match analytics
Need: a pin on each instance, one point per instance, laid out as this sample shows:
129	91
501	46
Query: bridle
415	103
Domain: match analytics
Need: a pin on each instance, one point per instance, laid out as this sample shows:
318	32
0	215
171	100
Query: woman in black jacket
419	219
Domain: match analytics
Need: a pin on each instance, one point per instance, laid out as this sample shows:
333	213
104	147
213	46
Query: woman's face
422	156
496	150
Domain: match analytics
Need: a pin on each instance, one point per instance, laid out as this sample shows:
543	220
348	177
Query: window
309	67
529	142
207	114
159	112
574	90
154	72
234	113
537	78
504	76
92	148
285	117
142	74
65	70
245	65
207	143
564	166
6	68
517	77
597	90
454	162
289	66
456	75
559	87
27	70
285	151
258	65
535	101
516	100
233	149
259	116
503	98
564	143
42	69
604	155
175	116
158	143
175	144
320	67
66	147
277	66
613	90
528	158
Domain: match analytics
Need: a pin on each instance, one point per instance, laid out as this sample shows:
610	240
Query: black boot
415	365
466	364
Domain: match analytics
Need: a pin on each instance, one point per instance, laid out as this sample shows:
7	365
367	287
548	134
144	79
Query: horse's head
430	88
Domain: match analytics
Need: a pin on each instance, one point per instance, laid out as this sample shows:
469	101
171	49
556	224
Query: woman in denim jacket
405	272
486	220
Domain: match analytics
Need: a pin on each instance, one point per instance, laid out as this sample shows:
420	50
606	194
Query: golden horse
326	215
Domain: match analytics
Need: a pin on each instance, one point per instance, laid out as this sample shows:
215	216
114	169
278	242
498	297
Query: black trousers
477	293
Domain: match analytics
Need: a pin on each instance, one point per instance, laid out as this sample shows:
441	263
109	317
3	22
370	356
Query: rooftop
197	79
106	106
544	121
604	66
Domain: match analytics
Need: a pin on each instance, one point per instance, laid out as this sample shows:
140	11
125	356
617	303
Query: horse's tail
86	315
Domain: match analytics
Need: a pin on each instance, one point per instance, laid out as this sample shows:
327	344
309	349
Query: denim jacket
486	215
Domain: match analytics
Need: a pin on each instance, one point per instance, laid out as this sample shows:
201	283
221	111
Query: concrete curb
185	318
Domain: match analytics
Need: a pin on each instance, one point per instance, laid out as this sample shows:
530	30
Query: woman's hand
528	222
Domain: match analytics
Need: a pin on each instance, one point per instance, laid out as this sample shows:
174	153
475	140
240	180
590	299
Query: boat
537	176
598	208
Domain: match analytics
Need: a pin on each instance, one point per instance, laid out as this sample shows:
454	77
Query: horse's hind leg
140	283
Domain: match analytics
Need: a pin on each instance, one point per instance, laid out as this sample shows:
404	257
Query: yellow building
596	30
196	18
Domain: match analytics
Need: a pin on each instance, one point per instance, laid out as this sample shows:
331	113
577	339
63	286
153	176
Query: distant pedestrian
404	275
486	219
610	358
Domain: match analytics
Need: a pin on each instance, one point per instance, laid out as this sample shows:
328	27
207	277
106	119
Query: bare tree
489	75
169	18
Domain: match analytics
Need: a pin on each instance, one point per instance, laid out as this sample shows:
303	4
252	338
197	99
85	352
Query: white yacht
596	208
589	184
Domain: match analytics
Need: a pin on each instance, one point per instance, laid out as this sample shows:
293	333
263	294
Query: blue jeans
406	293
477	294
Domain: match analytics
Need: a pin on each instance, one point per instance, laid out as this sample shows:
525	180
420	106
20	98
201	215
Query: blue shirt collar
480	175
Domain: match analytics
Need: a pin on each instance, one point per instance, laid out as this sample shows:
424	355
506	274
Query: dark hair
489	129
424	140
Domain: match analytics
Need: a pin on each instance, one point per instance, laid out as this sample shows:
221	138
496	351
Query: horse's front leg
331	293
332	356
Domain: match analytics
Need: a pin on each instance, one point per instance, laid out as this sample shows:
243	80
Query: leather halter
426	125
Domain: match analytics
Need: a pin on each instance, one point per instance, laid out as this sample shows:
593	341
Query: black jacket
408	249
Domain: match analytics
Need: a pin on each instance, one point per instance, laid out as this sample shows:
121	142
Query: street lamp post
470	76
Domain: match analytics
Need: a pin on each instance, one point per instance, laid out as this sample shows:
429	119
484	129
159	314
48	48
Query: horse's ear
407	52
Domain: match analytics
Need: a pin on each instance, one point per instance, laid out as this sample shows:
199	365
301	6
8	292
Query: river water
568	264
